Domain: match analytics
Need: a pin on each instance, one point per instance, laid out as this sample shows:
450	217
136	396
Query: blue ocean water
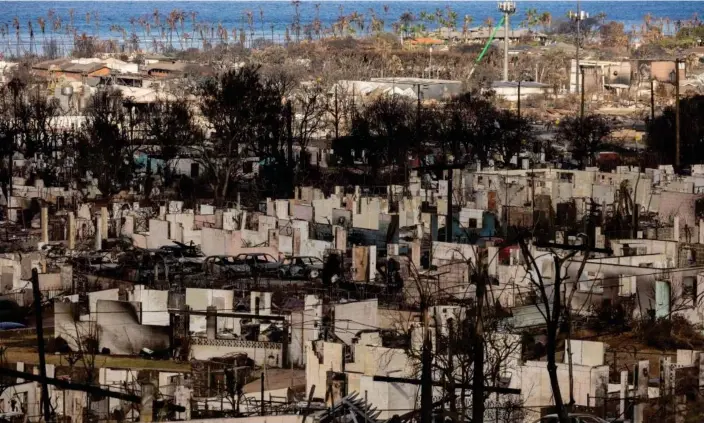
106	19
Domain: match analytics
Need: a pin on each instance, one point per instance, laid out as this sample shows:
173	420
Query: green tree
661	132
613	35
384	131
107	143
585	137
244	117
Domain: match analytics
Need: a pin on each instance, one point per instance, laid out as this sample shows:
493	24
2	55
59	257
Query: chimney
104	218
146	413
98	235
211	322
44	220
71	231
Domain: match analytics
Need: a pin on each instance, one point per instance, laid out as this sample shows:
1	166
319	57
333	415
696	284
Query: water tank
67	90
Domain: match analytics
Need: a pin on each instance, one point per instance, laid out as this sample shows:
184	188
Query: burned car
220	265
301	268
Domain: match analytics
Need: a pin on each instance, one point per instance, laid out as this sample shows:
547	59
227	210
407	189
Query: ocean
118	20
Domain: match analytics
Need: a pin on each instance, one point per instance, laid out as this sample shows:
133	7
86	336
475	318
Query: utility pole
289	142
449	216
261	398
678	62
519	98
426	377
418	111
652	100
451	369
578	17
581	107
289	131
508	8
337	116
478	347
40	340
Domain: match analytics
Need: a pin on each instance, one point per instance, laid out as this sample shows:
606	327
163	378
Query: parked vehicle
219	265
574	418
251	264
187	255
301	267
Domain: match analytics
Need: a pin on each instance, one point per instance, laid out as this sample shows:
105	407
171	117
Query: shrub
671	333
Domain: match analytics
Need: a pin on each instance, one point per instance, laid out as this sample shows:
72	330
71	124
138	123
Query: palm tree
647	19
42	27
96	19
451	18
385	8
193	24
16	24
31	38
357	19
261	20
4	31
406	20
171	22
531	18
250	24
489	22
546	21
296	25
377	25
71	13
440	15
600	17
466	23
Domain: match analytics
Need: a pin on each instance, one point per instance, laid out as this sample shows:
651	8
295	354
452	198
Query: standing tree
469	127
514	134
169	127
384	131
107	144
553	308
584	136
243	116
661	132
613	35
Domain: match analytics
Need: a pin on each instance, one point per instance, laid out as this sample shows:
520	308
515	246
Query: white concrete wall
350	318
390	398
106	294
312	247
535	383
254	238
158	233
154	305
445	252
201	298
185	219
322	210
317	368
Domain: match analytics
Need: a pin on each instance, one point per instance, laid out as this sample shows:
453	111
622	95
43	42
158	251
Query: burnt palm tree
250	24
16	24
96	19
466	23
31	38
405	23
193	24
261	20
317	23
296	24
42	28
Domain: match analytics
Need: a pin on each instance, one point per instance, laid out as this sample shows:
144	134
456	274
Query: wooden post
40	340
263	410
